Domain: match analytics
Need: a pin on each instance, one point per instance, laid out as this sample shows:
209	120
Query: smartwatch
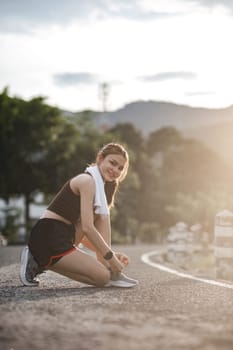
108	255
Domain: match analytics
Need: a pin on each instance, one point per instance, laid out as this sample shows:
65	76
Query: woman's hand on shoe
124	259
116	265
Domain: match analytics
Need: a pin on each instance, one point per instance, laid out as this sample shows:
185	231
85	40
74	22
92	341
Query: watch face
108	256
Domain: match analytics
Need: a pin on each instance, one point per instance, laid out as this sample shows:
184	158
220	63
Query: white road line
145	258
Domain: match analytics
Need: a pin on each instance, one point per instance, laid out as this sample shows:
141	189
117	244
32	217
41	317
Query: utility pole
104	90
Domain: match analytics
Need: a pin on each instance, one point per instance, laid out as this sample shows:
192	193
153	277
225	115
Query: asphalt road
163	312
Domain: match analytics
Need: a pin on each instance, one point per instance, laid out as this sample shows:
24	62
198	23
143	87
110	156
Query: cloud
26	15
212	3
200	93
167	76
71	79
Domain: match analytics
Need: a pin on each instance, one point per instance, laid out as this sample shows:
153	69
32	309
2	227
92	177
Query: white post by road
224	245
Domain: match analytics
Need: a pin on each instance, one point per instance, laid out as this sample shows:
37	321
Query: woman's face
111	166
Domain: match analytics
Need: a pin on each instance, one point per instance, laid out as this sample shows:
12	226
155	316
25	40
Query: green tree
163	139
127	197
183	168
129	135
192	167
34	140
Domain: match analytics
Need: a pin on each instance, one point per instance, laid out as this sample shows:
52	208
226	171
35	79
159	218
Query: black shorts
50	240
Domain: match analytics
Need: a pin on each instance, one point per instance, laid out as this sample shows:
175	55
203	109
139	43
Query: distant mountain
151	115
214	127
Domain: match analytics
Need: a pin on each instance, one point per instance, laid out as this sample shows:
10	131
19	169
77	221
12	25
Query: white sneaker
122	281
129	279
29	269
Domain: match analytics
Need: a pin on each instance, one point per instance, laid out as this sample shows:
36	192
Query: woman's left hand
124	259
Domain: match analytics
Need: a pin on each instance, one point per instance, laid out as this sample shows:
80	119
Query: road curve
166	311
147	258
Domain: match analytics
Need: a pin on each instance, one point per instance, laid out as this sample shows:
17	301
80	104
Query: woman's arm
102	224
85	186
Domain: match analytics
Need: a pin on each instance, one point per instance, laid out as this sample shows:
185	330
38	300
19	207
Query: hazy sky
171	50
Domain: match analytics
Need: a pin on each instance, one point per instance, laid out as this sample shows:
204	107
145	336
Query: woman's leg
82	267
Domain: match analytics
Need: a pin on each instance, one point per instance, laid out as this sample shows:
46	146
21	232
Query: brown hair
111	187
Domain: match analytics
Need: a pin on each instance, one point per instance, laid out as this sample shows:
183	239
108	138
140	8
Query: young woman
79	213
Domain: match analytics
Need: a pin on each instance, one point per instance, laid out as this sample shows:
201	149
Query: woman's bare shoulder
82	181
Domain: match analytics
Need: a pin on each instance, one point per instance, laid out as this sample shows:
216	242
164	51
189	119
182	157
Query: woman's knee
103	278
